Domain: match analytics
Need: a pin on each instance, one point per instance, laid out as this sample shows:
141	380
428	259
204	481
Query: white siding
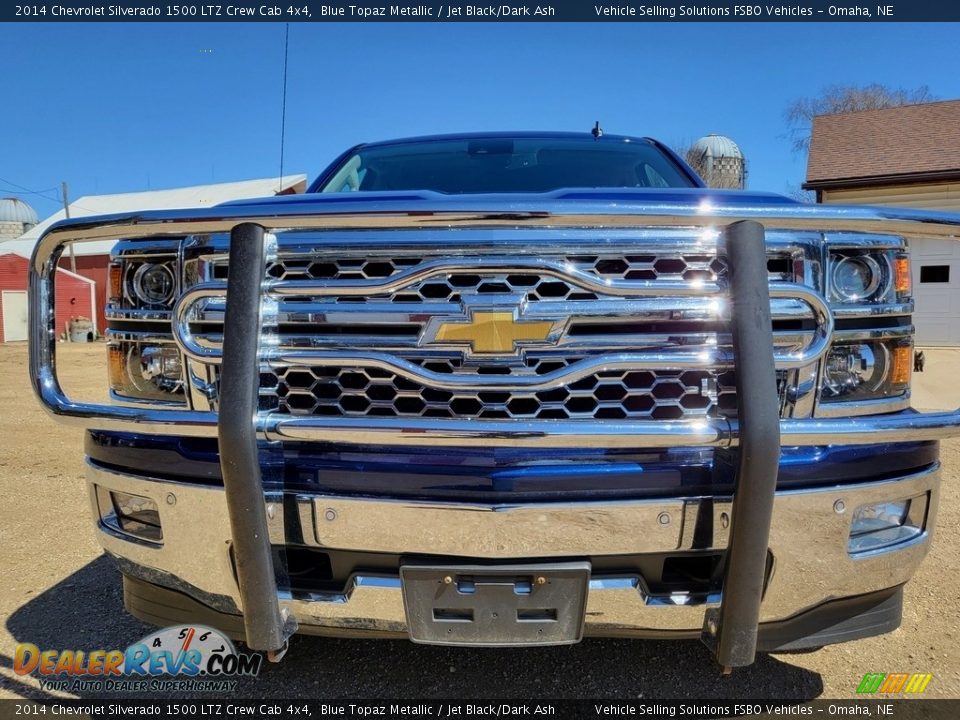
934	196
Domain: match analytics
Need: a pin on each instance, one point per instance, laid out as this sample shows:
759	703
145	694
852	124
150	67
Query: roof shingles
904	140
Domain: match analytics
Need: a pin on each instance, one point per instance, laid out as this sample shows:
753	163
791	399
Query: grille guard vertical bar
239	462
731	629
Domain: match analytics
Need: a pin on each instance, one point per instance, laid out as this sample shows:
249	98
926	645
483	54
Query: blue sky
122	108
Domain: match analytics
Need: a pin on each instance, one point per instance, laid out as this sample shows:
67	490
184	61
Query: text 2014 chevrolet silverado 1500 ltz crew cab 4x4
509	389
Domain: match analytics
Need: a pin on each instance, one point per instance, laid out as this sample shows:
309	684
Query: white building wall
935	262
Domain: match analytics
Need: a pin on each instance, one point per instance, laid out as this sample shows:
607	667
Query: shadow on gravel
85	611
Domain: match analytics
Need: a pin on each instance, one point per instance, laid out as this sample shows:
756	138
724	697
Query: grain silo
16	217
719	162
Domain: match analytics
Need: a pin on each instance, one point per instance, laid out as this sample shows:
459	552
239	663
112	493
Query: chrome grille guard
730	631
706	431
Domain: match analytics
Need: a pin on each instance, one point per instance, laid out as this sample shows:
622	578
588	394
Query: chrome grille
351	330
615	395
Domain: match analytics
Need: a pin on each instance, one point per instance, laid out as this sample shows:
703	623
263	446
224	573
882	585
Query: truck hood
555	201
689	202
685	205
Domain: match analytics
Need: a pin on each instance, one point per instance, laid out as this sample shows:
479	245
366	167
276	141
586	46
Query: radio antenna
283	102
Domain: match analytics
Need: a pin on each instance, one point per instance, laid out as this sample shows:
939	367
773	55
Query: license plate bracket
498	605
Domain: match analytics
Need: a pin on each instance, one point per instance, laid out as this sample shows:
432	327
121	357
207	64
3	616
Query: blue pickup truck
509	389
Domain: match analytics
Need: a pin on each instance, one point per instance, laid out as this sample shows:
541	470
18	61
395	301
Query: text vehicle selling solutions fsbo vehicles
509	389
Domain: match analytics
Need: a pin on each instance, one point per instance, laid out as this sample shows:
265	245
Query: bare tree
846	98
795	192
683	148
696	160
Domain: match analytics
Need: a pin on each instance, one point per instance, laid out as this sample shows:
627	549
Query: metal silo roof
718	146
16	210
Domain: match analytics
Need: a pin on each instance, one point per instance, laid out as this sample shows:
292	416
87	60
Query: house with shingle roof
906	156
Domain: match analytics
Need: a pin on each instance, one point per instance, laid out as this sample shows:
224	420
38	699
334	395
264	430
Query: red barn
92	259
75	297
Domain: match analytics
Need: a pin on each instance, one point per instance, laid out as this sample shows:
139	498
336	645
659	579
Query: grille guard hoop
900	427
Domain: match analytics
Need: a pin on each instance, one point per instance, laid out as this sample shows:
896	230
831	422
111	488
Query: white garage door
14	315
936	291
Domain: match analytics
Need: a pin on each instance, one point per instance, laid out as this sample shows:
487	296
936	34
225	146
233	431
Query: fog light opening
881	525
130	514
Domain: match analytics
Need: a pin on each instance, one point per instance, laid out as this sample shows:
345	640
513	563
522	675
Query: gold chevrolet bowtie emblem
493	332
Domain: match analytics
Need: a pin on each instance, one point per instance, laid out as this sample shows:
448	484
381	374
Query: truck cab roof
506	162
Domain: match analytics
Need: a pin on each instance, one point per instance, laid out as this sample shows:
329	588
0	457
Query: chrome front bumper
808	543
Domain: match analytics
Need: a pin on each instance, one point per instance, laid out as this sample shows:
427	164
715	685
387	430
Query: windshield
506	165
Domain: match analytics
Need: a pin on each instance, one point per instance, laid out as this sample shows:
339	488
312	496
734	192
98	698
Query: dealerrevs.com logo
180	657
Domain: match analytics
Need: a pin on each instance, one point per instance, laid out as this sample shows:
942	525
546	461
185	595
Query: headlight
160	365
153	284
856	277
140	371
851	368
863	371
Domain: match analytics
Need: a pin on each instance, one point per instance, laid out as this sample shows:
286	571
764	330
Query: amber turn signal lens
901	275
116	367
901	364
116	280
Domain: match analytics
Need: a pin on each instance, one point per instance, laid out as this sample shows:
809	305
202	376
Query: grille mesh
611	395
533	287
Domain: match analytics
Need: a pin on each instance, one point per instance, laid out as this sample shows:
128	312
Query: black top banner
298	709
477	11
